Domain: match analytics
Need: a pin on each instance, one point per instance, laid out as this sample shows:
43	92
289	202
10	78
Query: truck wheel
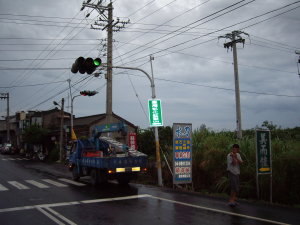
75	174
94	177
102	177
123	180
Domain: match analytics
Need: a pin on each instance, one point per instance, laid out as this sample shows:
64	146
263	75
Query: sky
193	72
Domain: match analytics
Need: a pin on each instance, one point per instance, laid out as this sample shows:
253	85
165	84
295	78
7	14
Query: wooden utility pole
235	37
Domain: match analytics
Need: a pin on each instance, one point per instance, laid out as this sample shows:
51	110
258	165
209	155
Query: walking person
233	167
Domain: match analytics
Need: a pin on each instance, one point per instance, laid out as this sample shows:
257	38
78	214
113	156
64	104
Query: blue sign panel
182	153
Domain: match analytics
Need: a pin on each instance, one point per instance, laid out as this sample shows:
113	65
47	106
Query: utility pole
109	64
106	21
61	154
235	37
6	96
62	114
298	53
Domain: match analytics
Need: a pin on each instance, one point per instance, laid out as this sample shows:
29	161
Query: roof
88	120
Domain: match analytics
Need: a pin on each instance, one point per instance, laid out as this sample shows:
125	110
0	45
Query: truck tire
94	177
102	177
123	180
75	175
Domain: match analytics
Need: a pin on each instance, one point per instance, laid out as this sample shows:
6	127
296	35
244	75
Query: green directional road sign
263	151
155	113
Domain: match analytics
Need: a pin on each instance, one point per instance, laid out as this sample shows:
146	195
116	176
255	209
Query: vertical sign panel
182	153
263	151
132	141
155	113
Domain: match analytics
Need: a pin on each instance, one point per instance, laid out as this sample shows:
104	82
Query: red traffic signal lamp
88	93
87	65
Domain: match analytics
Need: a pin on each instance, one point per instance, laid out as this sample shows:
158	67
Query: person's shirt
235	169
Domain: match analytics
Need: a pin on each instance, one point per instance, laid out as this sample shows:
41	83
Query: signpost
155	113
263	157
182	153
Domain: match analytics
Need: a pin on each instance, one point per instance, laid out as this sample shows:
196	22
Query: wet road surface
39	193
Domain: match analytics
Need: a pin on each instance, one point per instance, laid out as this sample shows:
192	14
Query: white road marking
71	182
18	185
60	216
37	184
55	183
49	216
138	196
2	188
220	211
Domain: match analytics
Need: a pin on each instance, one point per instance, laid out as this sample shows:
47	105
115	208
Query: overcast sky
194	76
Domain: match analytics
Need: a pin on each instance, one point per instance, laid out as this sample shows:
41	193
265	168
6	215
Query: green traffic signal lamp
87	65
97	62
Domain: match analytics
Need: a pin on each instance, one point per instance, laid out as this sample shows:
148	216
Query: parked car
7	149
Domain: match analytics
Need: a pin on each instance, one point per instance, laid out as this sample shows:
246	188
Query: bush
54	154
209	162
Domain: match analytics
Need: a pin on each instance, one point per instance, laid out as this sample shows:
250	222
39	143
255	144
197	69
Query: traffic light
87	65
88	93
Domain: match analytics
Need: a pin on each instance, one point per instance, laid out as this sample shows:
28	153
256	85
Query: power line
219	88
33	85
160	39
213	32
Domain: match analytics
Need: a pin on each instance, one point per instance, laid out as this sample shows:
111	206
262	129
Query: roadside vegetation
210	149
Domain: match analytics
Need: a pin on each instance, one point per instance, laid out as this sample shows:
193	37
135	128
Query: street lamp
72	123
157	147
61	128
83	93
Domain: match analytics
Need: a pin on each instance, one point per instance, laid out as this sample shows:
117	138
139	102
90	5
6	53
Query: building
51	120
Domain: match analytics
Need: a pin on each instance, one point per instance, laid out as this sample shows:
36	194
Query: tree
269	125
35	135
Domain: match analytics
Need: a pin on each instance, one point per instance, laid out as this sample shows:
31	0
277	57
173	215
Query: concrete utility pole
106	22
62	114
61	153
235	37
109	63
6	96
298	53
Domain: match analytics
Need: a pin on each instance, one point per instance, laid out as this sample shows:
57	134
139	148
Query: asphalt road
40	193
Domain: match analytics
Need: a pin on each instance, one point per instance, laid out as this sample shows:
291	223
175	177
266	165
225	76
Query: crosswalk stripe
54	183
18	185
71	182
37	184
2	188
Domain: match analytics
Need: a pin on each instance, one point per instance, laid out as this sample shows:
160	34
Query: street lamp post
61	129
72	123
158	159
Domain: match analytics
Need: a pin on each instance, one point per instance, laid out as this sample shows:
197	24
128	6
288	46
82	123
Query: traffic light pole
157	146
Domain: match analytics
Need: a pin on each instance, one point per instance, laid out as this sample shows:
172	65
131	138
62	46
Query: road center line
220	211
72	203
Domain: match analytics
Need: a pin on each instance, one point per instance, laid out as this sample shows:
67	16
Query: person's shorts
234	182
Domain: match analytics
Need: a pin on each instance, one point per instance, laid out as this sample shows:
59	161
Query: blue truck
103	158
